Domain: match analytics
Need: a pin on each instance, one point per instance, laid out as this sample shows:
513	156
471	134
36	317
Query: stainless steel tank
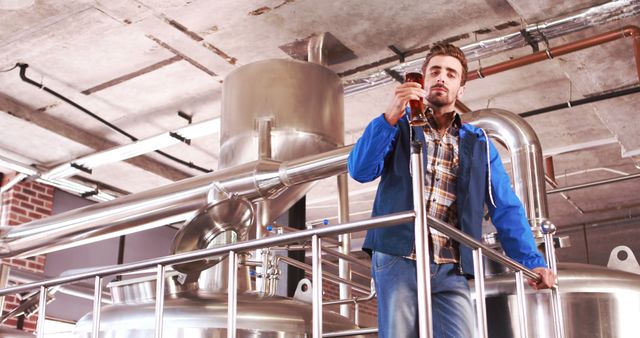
597	303
189	312
301	104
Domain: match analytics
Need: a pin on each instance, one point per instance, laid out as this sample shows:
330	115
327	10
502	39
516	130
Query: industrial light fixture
153	143
25	171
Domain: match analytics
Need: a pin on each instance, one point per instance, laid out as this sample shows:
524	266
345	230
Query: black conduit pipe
579	102
23	76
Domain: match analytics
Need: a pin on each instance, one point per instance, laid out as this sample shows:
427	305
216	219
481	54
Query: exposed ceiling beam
71	132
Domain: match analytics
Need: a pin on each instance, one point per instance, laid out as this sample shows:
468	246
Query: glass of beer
416	107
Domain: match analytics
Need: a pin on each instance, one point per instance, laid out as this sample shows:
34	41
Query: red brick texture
25	202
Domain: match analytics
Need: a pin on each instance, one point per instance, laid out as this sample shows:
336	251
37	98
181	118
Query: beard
439	99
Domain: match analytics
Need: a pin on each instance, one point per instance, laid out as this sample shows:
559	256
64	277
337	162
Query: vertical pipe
42	313
481	308
634	33
344	268
264	139
263	216
4	279
316	263
232	291
159	300
356	316
522	305
316	51
262	220
97	302
422	246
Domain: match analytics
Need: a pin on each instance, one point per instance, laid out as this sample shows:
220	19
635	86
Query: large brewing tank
296	106
193	313
597	303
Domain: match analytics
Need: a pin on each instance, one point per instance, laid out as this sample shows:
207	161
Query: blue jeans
396	286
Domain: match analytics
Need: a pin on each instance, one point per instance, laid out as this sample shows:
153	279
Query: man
462	171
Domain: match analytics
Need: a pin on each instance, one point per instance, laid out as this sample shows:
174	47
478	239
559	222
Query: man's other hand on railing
547	280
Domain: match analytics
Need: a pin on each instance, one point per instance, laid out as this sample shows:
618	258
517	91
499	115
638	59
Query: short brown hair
448	50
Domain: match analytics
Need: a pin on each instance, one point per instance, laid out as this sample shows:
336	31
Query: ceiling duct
532	34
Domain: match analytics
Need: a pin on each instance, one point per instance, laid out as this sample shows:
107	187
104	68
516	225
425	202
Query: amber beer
416	113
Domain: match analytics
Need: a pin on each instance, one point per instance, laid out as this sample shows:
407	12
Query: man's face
442	80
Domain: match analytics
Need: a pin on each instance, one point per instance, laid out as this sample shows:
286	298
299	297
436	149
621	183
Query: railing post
4	279
344	268
481	307
232	291
316	261
159	300
549	229
522	305
422	245
42	313
97	304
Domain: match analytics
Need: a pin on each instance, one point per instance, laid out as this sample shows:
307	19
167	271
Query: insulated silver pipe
538	32
526	158
168	204
421	232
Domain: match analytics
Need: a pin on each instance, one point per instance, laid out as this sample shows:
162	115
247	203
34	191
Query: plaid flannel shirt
440	184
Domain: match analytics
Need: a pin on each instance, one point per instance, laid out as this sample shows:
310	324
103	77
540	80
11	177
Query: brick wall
24	203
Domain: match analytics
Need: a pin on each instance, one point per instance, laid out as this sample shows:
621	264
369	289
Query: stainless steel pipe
97	302
481	307
160	285
164	205
526	158
522	305
232	299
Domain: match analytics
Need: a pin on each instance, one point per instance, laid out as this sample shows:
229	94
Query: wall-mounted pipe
526	158
164	205
586	100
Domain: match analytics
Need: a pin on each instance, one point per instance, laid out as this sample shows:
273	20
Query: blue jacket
384	150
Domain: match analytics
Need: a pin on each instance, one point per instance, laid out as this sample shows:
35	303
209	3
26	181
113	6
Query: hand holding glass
416	108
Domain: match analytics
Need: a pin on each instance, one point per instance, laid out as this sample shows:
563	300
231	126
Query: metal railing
232	250
420	217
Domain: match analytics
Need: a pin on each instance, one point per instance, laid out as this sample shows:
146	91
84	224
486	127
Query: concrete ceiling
138	63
